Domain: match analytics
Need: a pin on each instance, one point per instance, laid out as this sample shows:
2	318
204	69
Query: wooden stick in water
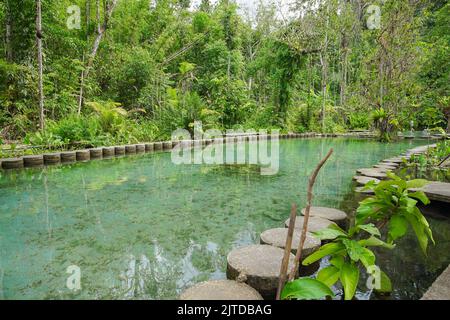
312	180
287	251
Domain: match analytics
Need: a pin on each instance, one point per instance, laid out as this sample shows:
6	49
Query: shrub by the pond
394	206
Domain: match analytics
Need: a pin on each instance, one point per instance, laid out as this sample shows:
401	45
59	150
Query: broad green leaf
419	231
349	278
420	217
337	261
367	257
305	289
354	249
398	226
329	275
324	251
385	283
330	233
375	242
420	195
416	183
370	228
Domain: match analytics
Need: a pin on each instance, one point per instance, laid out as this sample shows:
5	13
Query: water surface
141	227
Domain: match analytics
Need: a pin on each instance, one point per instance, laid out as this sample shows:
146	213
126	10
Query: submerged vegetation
125	71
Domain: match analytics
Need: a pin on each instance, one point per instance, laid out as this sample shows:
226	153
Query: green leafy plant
347	254
306	289
394	205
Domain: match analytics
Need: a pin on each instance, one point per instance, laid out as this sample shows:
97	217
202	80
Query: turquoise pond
141	227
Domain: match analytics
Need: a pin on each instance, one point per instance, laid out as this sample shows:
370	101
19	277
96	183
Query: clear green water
143	228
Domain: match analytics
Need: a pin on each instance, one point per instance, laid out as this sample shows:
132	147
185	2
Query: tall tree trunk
88	18
8	47
40	64
324	62
100	33
381	79
344	69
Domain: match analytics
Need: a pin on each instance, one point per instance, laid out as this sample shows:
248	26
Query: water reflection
142	228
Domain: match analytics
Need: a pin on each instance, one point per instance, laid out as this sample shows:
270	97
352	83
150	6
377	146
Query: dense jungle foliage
119	71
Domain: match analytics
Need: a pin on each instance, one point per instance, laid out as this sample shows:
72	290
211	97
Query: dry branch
287	251
312	180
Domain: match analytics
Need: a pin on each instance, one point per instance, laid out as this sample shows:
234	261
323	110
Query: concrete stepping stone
83	155
385	166
119	150
440	289
12	163
68	156
372	172
167	145
221	290
381	169
140	148
130	149
52	158
108	152
362	180
33	161
258	266
314	223
360	190
158	146
149	147
393	160
96	153
437	191
332	214
277	238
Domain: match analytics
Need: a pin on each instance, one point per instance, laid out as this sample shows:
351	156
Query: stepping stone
393	160
96	153
277	238
440	289
220	290
68	156
12	163
335	215
158	146
258	266
382	169
119	150
362	180
149	147
373	173
167	145
360	190
33	161
385	166
140	148
437	191
130	149
391	166
83	155
314	223
52	158
108	152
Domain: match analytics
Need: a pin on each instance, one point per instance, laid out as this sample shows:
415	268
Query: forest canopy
118	71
